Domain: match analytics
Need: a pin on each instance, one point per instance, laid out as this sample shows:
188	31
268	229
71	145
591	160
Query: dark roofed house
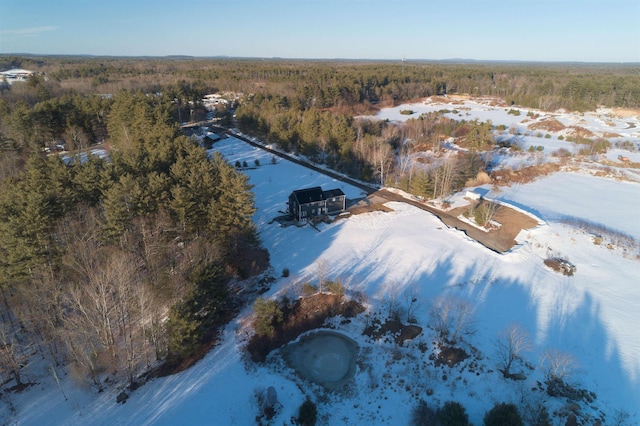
210	139
314	203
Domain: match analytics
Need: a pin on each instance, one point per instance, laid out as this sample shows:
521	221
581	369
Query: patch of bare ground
398	331
373	203
300	316
548	124
448	355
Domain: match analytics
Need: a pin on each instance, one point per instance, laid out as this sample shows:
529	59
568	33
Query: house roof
17	71
310	195
332	193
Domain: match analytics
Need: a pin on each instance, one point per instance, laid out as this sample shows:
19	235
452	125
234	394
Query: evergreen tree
503	414
452	413
231	212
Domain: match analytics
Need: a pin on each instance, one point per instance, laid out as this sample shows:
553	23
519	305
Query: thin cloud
27	32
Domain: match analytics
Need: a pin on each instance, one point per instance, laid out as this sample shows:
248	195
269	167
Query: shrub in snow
423	415
537	415
285	272
334	287
561	265
453	413
307	413
503	414
268	313
309	289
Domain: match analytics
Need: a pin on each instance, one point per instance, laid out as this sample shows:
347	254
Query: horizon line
280	58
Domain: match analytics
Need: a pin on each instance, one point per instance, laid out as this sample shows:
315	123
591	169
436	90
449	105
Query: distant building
315	204
13	75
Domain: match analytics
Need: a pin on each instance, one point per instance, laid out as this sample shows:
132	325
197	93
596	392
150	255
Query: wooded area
110	265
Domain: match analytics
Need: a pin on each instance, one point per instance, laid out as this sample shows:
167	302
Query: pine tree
230	214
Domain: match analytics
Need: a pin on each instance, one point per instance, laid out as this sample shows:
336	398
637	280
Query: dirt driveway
500	240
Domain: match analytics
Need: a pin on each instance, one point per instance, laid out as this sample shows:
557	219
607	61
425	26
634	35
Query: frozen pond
325	357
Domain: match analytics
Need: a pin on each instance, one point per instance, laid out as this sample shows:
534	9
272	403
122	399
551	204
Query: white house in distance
16	74
211	101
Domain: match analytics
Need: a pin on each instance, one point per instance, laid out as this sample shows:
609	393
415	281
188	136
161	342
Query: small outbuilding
315	204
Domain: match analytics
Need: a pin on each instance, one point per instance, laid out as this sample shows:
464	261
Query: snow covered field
592	315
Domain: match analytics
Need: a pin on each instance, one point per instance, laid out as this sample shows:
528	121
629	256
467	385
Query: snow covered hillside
390	257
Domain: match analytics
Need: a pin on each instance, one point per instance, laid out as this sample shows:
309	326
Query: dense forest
111	265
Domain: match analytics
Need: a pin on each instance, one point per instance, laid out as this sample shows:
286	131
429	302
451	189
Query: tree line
326	84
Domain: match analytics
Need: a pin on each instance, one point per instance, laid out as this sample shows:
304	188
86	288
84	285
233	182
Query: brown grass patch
627	112
523	175
580	132
480	179
548	124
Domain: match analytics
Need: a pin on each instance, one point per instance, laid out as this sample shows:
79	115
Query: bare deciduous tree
391	302
10	356
485	212
322	271
557	365
75	137
443	177
412	298
510	344
452	317
381	155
